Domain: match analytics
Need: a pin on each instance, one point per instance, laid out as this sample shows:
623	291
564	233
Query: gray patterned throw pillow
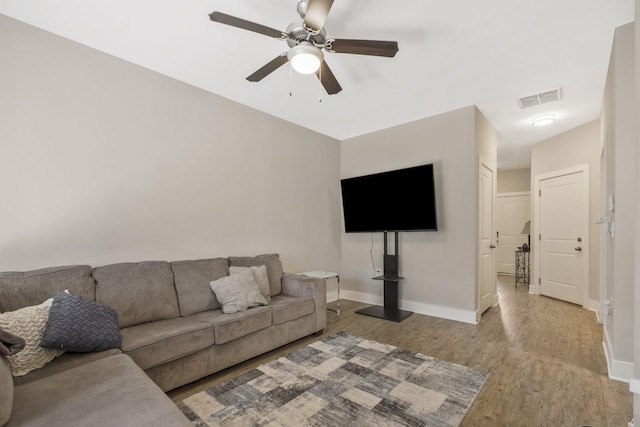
78	325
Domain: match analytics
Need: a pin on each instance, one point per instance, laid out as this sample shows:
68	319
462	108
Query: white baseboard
618	370
420	308
594	305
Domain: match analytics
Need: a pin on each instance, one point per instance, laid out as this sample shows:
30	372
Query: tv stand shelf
389	278
390	310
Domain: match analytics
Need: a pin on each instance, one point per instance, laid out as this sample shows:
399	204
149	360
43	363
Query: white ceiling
452	54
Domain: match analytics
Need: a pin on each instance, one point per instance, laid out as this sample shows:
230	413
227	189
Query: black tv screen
398	200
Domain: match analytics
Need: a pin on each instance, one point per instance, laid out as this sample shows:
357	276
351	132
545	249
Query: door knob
578	249
492	246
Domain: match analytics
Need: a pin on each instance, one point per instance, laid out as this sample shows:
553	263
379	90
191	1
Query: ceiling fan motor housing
297	34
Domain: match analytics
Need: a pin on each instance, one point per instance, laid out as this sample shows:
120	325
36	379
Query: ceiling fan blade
364	47
223	18
317	11
327	79
268	68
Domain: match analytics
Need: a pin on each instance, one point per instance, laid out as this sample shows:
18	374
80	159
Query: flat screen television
398	200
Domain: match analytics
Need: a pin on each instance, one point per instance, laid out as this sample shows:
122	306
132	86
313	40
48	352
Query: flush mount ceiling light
305	58
543	120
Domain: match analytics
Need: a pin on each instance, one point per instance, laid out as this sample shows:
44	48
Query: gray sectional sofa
173	332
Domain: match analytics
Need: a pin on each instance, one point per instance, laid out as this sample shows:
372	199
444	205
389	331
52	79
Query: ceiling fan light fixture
543	120
305	58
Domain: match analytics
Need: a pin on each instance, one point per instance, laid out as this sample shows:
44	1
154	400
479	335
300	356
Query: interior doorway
513	210
487	278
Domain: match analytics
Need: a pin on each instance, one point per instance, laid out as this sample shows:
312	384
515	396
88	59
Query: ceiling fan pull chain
320	84
290	79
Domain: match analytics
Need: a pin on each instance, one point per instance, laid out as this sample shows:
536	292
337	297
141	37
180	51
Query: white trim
534	286
420	308
618	370
603	230
594	306
634	385
514	194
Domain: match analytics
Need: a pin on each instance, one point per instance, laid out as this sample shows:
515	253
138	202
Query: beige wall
438	267
103	161
575	147
619	138
514	181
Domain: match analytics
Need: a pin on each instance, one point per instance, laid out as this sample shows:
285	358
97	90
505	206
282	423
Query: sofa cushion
139	292
23	289
62	363
261	277
29	324
81	326
6	390
238	292
286	309
192	280
154	343
112	391
229	327
271	261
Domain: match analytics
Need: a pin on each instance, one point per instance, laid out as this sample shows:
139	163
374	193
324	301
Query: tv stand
391	279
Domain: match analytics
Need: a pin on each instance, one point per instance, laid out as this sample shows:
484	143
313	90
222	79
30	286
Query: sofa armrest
301	286
6	391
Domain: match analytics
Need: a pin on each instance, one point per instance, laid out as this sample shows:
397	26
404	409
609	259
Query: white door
512	212
563	236
486	275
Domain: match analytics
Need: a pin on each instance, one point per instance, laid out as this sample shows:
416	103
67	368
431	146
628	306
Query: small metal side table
327	275
522	267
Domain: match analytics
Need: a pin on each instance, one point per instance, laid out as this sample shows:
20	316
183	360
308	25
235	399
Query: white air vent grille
545	97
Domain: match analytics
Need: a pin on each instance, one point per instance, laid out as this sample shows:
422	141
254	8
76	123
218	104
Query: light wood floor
545	359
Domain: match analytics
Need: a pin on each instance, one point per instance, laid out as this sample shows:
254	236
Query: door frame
484	162
534	286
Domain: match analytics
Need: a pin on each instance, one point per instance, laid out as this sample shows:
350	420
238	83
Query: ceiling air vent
545	97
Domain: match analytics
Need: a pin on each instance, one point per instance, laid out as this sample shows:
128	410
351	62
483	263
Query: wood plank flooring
545	359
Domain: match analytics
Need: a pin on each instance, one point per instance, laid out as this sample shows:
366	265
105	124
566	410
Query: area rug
342	380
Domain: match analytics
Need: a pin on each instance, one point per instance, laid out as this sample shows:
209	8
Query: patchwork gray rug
342	380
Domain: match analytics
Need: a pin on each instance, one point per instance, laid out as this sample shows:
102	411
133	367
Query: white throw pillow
29	324
261	277
237	292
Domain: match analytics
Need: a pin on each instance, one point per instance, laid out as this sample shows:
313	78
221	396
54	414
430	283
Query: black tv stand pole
391	279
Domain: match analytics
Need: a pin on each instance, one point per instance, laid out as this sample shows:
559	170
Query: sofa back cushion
192	280
271	261
6	391
24	289
139	292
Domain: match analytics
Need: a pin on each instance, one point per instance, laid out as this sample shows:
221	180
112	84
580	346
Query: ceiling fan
306	39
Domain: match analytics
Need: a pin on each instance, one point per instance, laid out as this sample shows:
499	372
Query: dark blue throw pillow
78	325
